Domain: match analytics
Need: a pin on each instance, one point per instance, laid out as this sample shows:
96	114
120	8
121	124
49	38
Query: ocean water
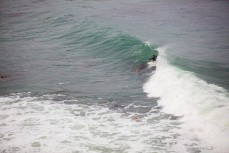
77	78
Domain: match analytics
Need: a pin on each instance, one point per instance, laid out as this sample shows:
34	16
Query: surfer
154	58
145	64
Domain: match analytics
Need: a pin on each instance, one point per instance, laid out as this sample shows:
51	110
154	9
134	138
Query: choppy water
74	81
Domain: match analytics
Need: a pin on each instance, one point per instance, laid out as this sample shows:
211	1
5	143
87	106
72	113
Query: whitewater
76	76
203	107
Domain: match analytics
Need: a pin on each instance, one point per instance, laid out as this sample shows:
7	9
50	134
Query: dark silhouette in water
144	65
154	58
3	77
141	67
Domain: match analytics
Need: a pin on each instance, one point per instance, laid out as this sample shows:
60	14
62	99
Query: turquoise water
77	76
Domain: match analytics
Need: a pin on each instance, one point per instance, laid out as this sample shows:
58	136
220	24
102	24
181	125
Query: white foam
151	64
30	124
147	43
204	106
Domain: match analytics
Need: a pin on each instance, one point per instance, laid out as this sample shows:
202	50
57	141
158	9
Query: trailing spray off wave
204	106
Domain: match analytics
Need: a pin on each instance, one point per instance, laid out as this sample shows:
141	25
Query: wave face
72	74
86	51
111	46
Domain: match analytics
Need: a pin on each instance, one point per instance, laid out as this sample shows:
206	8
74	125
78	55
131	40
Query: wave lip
204	106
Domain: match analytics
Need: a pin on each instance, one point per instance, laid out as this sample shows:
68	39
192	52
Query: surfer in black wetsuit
154	58
144	65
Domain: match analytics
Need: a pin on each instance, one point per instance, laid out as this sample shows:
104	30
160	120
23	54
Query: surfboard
151	64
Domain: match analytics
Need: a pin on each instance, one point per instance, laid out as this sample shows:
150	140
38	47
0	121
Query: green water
77	77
